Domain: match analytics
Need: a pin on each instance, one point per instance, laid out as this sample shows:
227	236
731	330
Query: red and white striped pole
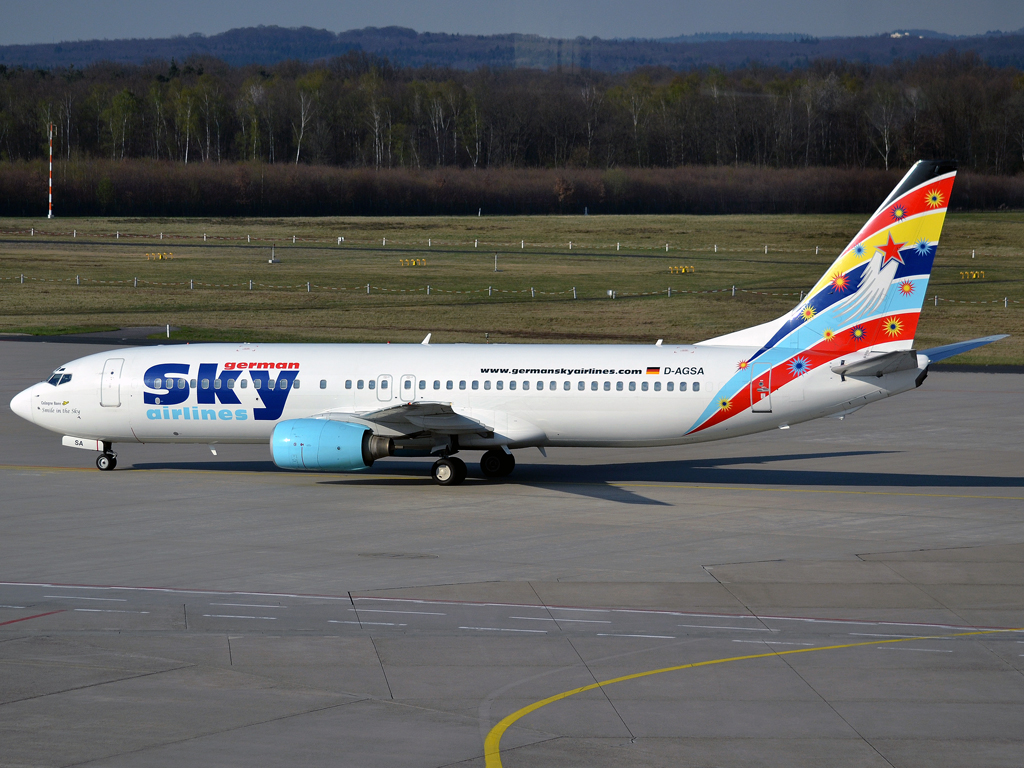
50	214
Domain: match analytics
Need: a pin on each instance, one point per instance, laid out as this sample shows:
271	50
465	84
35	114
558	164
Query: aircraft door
110	388
760	388
407	391
384	389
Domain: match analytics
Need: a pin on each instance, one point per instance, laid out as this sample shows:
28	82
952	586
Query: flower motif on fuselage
725	404
907	287
893	326
921	247
859	250
742	364
839	283
808	312
828	334
858	332
899	213
798	366
933	198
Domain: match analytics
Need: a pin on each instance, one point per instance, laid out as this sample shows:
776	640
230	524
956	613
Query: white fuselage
524	395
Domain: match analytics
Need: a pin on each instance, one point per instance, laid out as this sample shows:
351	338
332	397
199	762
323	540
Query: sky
51	21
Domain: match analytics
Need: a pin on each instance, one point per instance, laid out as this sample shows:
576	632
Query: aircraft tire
105	462
447	472
508	463
491	463
461	469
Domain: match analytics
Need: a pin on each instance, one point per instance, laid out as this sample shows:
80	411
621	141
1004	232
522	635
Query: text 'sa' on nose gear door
384	388
760	388
110	387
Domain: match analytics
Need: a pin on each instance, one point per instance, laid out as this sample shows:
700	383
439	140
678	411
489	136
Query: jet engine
327	445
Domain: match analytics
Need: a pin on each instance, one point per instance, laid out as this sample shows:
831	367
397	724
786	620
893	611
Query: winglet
426	341
658	342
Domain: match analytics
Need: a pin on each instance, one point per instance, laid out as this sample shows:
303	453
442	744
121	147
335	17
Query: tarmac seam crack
827	703
187	739
95	685
382	670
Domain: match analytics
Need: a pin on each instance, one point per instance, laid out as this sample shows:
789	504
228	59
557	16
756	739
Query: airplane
341	407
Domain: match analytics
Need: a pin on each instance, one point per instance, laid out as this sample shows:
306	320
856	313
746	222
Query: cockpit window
59	378
55	379
65	378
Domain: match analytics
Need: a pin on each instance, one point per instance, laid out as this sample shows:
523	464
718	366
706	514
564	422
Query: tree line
359	111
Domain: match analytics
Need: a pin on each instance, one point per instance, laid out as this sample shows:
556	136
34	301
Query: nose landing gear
106	461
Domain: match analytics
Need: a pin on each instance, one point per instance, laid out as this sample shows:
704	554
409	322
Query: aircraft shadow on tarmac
602	480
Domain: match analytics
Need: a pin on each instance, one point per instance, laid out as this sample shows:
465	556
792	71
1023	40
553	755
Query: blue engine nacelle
328	445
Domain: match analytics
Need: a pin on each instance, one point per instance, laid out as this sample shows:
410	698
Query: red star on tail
891	251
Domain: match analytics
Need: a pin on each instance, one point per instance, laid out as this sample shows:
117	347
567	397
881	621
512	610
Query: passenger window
231	384
618	386
632	386
192	384
540	385
607	386
181	382
371	384
407	384
383	384
593	386
437	384
243	383
449	385
204	383
643	386
581	386
217	383
476	385
526	385
359	384
657	386
669	386
682	386
157	383
696	386
295	384
270	384
423	383
487	385
282	383
257	384
552	385
500	385
567	386
511	385
462	385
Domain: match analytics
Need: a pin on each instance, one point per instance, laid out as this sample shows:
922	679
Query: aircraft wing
418	417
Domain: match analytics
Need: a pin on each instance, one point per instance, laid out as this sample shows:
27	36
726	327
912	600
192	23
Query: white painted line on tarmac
101	599
228	616
738	629
105	610
364	623
586	610
12	606
868	634
562	621
922	650
381	610
770	642
653	637
248	605
504	629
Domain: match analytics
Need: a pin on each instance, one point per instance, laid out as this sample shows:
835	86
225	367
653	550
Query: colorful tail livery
340	407
868	302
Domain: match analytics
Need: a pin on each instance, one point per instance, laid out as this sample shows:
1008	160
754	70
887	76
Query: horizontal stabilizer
879	365
941	353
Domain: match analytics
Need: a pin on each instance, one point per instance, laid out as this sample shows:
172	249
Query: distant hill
406	47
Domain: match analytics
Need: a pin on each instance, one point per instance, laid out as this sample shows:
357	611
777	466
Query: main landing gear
496	464
106	461
449	471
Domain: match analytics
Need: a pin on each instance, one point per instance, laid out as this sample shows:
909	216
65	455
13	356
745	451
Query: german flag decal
653	370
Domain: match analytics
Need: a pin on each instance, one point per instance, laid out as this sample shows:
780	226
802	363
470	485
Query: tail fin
872	294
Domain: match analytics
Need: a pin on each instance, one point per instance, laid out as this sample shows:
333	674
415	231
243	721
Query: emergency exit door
760	388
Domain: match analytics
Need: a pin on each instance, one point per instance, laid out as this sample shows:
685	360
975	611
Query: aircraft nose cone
22	405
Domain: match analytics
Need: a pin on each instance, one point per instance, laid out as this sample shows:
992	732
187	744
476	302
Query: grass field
87	281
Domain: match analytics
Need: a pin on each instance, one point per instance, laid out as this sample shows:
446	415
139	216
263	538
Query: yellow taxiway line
492	744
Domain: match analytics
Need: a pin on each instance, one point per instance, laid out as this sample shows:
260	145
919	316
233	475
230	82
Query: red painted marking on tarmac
26	618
